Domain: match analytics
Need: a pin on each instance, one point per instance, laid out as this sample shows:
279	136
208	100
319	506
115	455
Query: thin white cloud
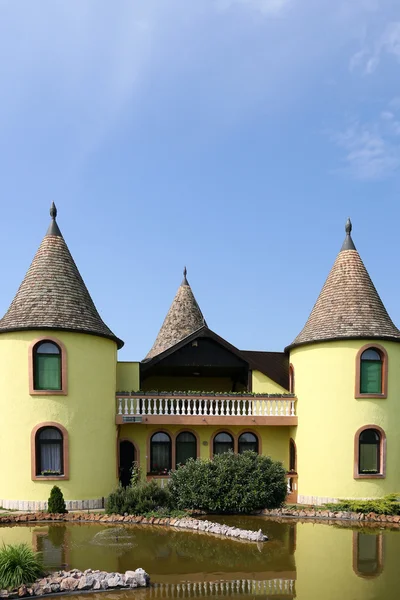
371	54
372	150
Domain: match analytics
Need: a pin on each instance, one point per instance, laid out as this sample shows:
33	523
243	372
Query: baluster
172	406
119	406
178	406
125	406
281	407
248	408
229	405
184	406
154	406
211	407
234	407
137	401
223	407
131	406
189	405
255	407
195	406
292	408
165	410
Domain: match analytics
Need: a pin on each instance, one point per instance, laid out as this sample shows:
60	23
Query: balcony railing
210	406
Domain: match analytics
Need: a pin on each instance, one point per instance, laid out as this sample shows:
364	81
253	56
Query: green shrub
19	564
229	483
145	497
388	505
56	502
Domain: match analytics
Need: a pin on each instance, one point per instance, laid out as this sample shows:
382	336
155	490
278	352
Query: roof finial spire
53	210
348	243
184	281
53	227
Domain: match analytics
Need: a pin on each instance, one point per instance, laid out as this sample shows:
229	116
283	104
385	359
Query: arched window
160	453
369	454
292	456
49	452
47	366
186	447
248	441
371	371
368	554
291	379
223	442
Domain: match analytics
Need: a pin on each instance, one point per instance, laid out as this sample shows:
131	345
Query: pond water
308	561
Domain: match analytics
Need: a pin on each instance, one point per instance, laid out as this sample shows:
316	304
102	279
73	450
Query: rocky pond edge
75	581
309	513
185	523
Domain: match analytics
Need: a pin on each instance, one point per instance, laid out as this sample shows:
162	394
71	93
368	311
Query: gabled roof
183	318
53	294
348	306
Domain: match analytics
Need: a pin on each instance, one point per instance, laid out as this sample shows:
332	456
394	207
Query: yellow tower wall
128	377
329	417
87	412
264	385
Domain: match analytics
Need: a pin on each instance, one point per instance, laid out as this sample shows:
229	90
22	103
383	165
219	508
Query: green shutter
48	372
371	377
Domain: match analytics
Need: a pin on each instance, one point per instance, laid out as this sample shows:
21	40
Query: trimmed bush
19	564
142	498
229	483
56	502
388	505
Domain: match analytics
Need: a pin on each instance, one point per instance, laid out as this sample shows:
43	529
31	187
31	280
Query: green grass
19	564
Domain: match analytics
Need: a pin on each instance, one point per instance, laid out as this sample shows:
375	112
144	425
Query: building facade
72	414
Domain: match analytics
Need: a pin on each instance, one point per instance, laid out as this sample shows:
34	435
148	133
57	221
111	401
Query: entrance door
127	457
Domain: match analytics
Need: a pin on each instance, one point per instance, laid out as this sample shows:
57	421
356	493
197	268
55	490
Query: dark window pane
370	354
186	447
47	348
47	366
49	451
369	452
223	442
248	441
160	453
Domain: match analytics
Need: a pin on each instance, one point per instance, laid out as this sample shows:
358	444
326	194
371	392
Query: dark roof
274	365
348	306
183	318
53	294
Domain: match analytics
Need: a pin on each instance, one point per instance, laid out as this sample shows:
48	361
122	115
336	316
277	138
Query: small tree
56	503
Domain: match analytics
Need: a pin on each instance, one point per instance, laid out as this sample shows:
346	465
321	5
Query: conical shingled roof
183	318
53	294
348	306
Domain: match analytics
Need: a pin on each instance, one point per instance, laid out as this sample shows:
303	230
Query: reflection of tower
368	554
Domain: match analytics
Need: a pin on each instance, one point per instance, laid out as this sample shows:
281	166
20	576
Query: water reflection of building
368	554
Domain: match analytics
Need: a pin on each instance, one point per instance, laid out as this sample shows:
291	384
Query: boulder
142	577
69	584
86	582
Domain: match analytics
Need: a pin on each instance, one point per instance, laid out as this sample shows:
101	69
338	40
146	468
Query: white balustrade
204	406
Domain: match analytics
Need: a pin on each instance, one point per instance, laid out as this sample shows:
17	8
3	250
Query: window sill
47	392
50	478
367	396
370	476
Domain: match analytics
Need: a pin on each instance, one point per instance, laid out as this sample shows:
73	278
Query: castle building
72	414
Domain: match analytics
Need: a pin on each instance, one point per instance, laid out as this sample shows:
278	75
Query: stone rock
104	584
142	578
55	587
69	584
116	581
86	582
97	585
22	591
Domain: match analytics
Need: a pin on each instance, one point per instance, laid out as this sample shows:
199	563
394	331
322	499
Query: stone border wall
39	505
329	515
187	523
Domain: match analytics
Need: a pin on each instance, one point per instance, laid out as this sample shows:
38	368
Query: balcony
206	409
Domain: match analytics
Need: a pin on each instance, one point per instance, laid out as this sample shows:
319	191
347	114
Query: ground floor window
223	442
160	453
370	452
49	451
248	441
186	447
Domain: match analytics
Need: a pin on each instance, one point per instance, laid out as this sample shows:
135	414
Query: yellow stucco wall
274	440
329	417
263	384
87	412
128	376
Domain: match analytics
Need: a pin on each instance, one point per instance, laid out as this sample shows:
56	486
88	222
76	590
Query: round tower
57	387
346	363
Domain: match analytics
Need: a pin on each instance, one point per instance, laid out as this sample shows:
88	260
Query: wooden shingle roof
53	294
183	318
348	306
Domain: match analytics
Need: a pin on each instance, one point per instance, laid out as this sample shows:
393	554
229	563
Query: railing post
119	406
126	406
172	405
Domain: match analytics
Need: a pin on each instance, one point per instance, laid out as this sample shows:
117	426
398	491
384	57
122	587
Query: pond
308	561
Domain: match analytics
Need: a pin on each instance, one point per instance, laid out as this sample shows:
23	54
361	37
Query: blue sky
233	136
